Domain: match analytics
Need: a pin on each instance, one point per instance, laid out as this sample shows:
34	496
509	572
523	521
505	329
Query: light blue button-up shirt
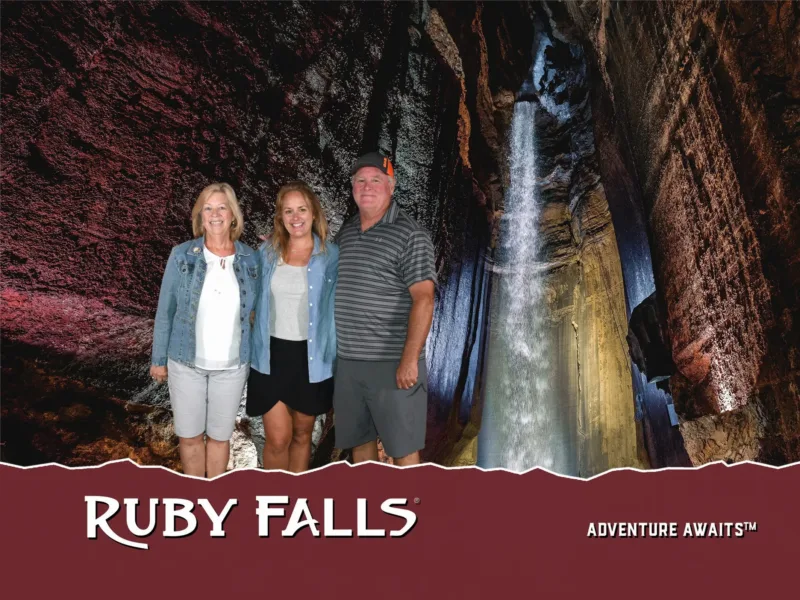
322	273
174	333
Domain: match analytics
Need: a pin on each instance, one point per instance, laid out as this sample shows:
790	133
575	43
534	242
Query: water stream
523	424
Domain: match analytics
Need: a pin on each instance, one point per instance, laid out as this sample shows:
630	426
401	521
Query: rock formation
669	168
697	107
116	115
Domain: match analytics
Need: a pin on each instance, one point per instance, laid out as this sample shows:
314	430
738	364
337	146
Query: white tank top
288	303
218	334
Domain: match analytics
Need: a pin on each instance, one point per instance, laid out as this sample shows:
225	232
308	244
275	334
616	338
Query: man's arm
419	324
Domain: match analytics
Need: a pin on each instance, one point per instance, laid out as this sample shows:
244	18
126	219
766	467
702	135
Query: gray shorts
367	404
205	401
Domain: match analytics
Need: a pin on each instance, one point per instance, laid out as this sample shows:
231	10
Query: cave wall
696	113
586	335
667	130
584	284
115	115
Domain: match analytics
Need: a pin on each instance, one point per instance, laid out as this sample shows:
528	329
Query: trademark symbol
416	500
752	526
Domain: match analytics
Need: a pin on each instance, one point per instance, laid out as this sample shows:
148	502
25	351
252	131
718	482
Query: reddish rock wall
115	115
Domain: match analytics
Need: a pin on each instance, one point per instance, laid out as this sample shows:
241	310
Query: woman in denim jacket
294	337
202	329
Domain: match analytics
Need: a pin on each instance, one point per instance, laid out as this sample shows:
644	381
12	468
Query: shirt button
310	324
311	304
309	270
310	358
311	287
309	341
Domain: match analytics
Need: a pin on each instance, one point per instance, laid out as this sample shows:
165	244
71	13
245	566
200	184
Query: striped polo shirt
376	268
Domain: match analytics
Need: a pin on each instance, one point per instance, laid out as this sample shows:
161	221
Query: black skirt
287	382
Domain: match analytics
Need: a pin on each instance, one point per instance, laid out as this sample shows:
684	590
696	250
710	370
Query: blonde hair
237	225
280	235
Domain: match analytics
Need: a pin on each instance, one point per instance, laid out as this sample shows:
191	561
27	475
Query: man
384	309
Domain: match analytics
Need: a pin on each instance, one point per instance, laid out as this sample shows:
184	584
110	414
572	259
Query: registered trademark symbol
416	500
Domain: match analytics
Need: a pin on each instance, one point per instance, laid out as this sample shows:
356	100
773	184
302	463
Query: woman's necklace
222	253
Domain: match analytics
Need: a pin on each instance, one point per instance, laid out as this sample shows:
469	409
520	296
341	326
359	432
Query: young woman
201	337
294	335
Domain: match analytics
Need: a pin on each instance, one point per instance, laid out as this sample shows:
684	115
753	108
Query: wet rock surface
730	437
667	130
697	104
648	345
49	417
583	308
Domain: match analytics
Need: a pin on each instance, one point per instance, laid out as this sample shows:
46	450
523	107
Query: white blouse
288	305
218	334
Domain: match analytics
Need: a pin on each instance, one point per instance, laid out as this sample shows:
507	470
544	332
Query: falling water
523	424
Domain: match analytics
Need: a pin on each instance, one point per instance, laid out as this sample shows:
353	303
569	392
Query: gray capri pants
205	401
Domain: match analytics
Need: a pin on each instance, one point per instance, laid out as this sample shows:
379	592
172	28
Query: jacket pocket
186	267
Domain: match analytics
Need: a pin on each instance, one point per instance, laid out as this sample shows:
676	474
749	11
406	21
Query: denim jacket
174	331
322	272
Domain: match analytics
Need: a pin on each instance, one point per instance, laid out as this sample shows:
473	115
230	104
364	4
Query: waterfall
523	424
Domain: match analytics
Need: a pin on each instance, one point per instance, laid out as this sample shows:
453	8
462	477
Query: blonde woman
201	338
294	336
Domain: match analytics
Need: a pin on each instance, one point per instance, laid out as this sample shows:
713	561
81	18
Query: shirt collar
390	216
270	249
197	245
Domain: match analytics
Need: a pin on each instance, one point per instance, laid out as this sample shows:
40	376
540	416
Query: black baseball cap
373	159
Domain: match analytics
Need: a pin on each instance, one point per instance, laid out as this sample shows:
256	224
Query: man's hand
419	324
158	373
407	374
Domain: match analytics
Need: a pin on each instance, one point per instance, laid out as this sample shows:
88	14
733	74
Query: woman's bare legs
277	437
217	455
193	455
300	447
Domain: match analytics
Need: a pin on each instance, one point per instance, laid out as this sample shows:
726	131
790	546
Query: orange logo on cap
387	164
